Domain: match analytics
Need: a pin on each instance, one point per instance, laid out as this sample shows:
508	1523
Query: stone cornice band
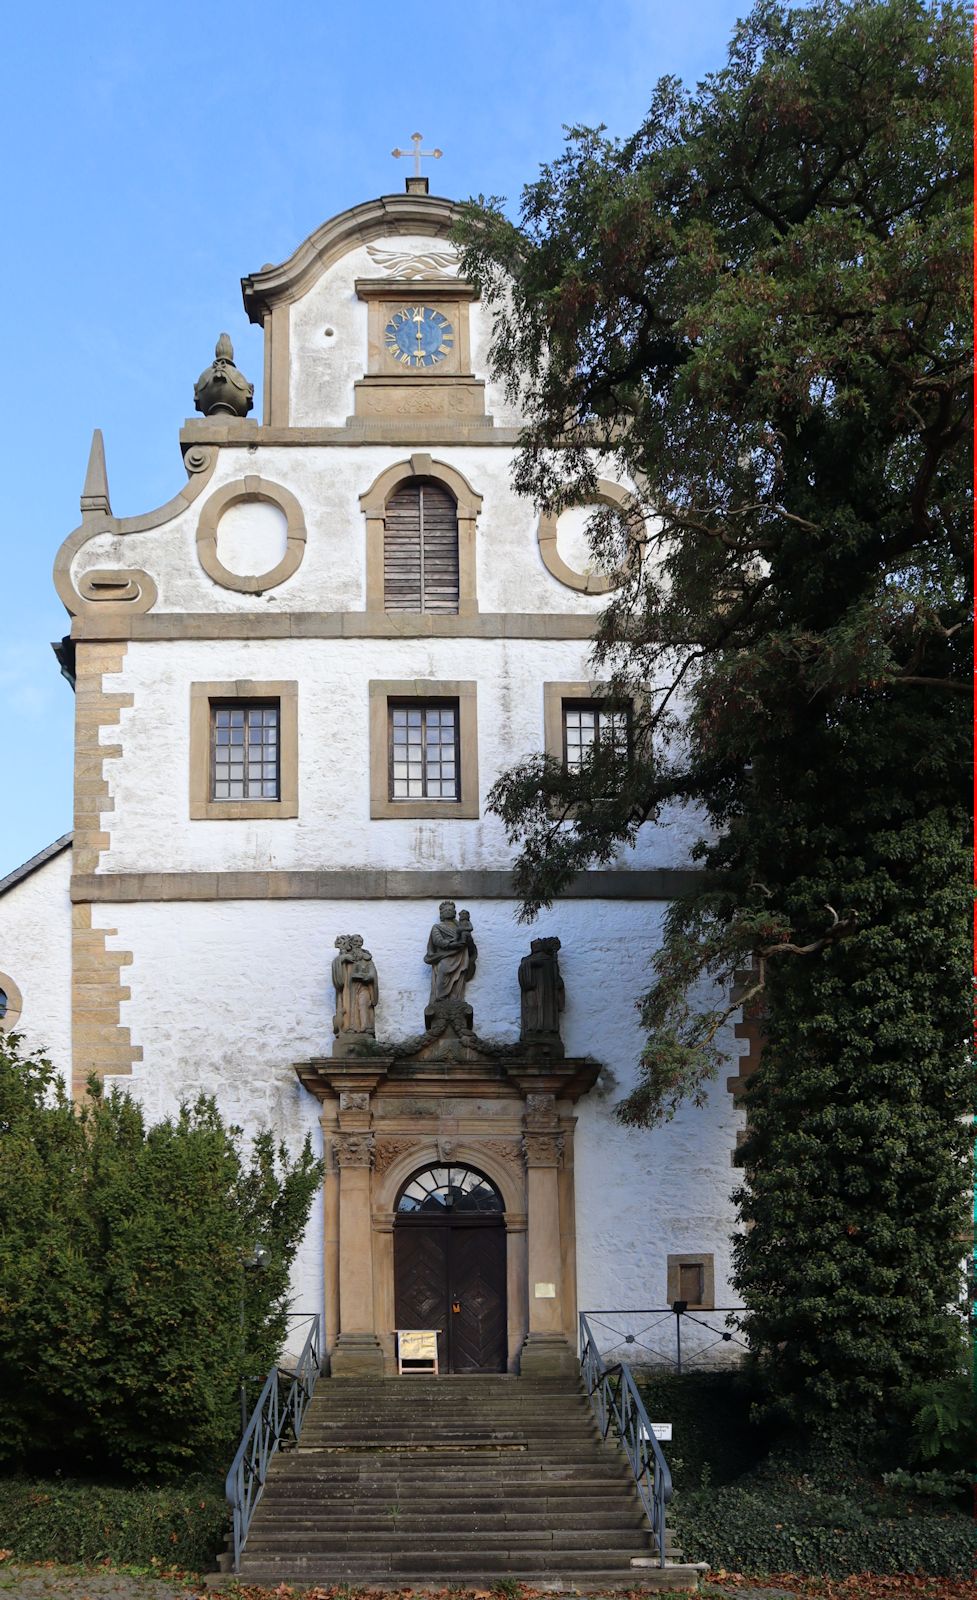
663	883
331	625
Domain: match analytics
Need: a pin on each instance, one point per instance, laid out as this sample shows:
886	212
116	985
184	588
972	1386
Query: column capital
543	1149
354	1149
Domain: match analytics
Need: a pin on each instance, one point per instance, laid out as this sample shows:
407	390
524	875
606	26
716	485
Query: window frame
468	504
706	1261
598	705
205	698
394	705
386	693
554	729
15	1004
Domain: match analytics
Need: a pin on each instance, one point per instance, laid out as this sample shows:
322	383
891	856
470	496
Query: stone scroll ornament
451	954
542	992
354	978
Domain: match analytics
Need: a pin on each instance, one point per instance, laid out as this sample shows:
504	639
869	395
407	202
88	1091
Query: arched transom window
420	549
447	1188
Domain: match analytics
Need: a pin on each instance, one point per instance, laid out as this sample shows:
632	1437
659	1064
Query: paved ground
64	1583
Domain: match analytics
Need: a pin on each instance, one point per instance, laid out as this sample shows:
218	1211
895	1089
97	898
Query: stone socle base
548	1355
357	1355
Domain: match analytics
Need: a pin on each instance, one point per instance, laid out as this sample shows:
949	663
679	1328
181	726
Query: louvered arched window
420	549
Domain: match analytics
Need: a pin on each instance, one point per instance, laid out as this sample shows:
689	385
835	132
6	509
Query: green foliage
773	1525
942	1431
63	1520
755	310
715	1434
121	1276
748	1500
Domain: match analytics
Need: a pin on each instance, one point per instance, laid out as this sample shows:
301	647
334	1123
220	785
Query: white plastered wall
35	950
327	481
227	996
151	830
324	366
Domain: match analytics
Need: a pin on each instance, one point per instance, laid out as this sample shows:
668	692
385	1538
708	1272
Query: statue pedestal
355	1044
456	1014
548	1355
356	1355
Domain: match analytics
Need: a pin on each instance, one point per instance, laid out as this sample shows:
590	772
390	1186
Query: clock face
419	336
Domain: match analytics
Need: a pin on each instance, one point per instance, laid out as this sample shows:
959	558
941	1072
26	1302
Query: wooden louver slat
420	550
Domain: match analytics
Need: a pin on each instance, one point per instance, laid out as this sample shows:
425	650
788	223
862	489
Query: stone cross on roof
417	153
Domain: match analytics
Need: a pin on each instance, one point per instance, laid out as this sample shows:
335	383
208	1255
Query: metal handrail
677	1313
279	1410
615	1399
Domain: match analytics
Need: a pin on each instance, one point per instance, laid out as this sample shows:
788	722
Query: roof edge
36	862
392	213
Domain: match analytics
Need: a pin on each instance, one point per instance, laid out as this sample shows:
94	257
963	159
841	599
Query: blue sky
156	153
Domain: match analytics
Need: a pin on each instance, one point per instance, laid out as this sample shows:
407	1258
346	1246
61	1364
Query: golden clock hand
418	317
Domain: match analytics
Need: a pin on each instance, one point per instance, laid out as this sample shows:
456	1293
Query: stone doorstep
678	1576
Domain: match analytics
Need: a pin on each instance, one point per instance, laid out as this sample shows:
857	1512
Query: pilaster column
546	1352
357	1353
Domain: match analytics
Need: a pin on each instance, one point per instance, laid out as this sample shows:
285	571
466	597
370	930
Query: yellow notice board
418	1344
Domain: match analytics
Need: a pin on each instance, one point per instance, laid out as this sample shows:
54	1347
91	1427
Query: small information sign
418	1344
662	1430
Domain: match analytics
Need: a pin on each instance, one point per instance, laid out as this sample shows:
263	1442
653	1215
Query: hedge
791	1526
70	1520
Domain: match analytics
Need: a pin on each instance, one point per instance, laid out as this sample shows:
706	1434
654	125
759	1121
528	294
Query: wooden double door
449	1273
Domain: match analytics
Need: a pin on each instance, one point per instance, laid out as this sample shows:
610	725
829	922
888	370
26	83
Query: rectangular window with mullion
423	750
245	750
593	723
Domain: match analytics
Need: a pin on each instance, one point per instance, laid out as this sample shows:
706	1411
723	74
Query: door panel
441	1264
479	1335
421	1281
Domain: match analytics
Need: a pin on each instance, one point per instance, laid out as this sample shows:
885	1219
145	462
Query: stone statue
451	955
221	390
357	987
542	992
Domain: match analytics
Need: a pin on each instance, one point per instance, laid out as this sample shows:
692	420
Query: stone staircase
456	1481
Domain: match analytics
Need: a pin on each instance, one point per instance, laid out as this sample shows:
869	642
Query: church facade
295	684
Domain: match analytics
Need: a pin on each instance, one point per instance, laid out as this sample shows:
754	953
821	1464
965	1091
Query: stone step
671	1578
325	1468
413	1468
296	1519
518	1496
268	1538
322	1566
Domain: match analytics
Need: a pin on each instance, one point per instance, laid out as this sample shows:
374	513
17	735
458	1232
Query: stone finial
95	494
221	390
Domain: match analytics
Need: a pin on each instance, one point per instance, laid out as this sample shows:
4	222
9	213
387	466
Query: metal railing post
262	1434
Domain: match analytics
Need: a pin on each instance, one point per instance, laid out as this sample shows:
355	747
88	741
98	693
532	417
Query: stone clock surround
385	1116
450	388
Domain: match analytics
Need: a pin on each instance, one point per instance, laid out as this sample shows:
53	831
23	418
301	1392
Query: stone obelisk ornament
542	994
354	978
221	390
451	954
